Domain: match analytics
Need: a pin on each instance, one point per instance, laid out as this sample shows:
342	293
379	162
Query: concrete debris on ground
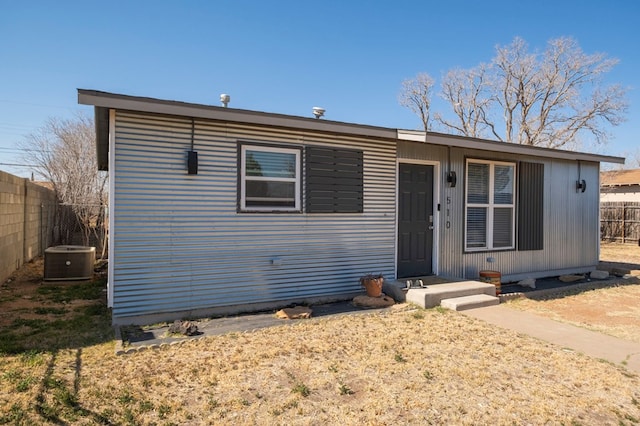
570	278
528	282
393	290
365	301
599	275
186	328
297	312
617	270
620	272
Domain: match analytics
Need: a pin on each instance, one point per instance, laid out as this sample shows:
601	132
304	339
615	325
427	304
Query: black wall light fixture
192	156
192	162
452	179
581	184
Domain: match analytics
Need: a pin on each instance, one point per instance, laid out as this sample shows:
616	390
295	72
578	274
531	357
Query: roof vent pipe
318	112
224	98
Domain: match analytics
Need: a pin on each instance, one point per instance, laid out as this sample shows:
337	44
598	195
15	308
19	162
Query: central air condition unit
63	263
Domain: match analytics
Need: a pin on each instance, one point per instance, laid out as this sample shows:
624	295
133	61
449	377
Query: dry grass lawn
611	309
399	366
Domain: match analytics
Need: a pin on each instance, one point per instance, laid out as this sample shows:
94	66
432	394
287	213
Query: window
490	205
334	180
269	178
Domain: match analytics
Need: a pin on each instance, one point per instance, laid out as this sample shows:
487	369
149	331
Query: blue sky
349	57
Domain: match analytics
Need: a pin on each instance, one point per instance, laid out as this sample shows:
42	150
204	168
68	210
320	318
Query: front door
415	220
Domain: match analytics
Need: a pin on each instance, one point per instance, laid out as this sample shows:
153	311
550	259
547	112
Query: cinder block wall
26	221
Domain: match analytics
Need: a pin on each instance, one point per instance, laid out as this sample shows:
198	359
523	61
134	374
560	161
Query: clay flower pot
372	284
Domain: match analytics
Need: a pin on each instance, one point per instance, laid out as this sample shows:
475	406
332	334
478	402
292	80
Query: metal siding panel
571	225
180	245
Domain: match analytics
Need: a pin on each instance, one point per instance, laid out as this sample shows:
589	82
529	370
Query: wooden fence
620	221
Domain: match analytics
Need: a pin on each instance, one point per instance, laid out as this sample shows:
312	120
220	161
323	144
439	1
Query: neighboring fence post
624	222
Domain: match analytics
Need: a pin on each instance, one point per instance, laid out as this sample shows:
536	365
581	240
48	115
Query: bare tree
555	99
416	95
467	91
632	159
63	153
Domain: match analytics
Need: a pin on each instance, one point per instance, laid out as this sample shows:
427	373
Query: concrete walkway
590	343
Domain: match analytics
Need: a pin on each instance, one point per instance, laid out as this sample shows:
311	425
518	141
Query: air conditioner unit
63	263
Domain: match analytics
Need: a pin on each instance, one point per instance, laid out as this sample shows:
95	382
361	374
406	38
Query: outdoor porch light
452	179
581	185
192	162
192	155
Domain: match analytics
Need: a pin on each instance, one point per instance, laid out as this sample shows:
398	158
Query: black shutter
531	206
334	180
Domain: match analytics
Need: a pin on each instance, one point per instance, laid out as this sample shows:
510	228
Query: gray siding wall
180	247
571	224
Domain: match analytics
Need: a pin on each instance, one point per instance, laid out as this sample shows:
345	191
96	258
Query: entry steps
456	296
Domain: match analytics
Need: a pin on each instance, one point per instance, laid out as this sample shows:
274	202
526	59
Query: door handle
431	227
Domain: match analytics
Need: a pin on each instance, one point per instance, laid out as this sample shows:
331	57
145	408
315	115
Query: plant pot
491	277
373	286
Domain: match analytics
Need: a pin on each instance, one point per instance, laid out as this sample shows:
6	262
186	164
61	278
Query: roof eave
487	145
104	101
160	106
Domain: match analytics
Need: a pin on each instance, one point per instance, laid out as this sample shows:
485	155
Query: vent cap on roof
318	111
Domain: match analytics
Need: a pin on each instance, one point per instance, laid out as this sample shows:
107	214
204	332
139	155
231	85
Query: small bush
399	358
301	389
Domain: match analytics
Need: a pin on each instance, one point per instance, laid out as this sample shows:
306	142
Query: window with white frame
490	205
269	178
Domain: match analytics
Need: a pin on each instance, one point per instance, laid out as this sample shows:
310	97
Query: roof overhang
102	137
511	148
104	101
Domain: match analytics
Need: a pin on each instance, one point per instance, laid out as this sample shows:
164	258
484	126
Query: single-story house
620	186
217	210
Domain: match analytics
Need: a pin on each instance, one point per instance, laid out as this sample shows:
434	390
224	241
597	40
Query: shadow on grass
57	401
63	319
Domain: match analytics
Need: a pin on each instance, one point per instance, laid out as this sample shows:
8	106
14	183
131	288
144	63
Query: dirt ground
610	307
400	366
26	293
624	254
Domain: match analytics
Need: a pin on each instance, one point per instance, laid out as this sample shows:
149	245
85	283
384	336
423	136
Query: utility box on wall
63	263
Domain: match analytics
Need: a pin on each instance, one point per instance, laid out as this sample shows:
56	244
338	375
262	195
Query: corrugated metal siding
180	245
530	207
571	227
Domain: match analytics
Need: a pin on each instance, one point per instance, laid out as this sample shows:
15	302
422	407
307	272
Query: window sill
488	250
269	211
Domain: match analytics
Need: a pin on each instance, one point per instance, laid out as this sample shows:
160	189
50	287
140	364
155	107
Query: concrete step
469	302
432	295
